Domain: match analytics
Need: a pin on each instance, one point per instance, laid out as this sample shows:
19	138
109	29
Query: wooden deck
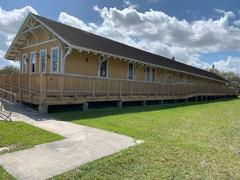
62	89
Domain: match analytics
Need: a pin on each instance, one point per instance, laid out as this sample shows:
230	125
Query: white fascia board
140	62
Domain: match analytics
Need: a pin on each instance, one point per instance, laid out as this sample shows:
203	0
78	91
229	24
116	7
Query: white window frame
100	64
23	64
154	74
133	75
33	52
145	74
40	61
51	68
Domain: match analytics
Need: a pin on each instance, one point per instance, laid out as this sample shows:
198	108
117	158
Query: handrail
11	93
3	115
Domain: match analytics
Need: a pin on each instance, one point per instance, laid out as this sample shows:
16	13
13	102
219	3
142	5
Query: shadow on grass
103	112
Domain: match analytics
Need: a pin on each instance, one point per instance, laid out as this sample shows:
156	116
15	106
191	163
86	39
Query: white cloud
153	31
160	33
230	64
10	22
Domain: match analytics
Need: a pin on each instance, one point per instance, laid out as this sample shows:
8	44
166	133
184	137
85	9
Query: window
103	66
188	79
169	79
130	71
147	74
33	62
153	75
24	63
43	60
54	60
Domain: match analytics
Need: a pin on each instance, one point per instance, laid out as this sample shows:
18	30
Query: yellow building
60	64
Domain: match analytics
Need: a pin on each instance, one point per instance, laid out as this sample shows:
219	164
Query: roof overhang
12	51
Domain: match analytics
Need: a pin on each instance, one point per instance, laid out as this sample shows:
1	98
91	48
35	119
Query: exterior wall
85	63
37	49
82	63
117	69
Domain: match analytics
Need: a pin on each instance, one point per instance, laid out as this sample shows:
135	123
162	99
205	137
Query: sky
198	33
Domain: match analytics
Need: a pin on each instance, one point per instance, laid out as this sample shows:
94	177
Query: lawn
18	136
186	142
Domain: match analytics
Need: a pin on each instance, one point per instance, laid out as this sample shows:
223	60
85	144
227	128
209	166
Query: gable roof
78	38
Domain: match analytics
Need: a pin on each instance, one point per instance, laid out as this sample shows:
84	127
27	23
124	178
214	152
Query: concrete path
82	144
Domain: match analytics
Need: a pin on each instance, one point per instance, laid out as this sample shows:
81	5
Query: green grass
186	142
18	136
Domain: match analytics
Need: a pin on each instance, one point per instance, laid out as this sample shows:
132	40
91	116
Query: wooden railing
76	86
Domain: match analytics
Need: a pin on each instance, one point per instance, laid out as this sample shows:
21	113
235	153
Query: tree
9	70
230	76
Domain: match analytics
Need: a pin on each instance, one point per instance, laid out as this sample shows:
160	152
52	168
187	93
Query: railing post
94	88
41	89
30	86
108	91
19	87
61	86
120	91
140	94
76	87
10	83
148	89
131	88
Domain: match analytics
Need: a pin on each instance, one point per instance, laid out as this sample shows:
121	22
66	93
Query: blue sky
199	33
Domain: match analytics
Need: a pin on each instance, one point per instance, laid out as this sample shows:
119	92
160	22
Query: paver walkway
81	145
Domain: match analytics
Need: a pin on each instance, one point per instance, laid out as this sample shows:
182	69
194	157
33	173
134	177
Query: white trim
100	52
31	54
145	74
51	66
99	66
121	57
38	44
24	55
49	29
133	75
63	62
155	75
40	61
31	29
144	63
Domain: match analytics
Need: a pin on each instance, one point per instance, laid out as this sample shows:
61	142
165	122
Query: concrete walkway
82	144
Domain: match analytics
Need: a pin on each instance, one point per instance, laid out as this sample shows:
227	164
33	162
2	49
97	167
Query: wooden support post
119	104
108	91
30	87
148	89
120	91
161	102
43	109
76	88
94	89
85	106
10	83
144	103
131	88
41	89
19	87
61	86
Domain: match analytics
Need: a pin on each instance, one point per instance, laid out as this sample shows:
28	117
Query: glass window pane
55	58
43	61
103	69
33	58
153	75
130	71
